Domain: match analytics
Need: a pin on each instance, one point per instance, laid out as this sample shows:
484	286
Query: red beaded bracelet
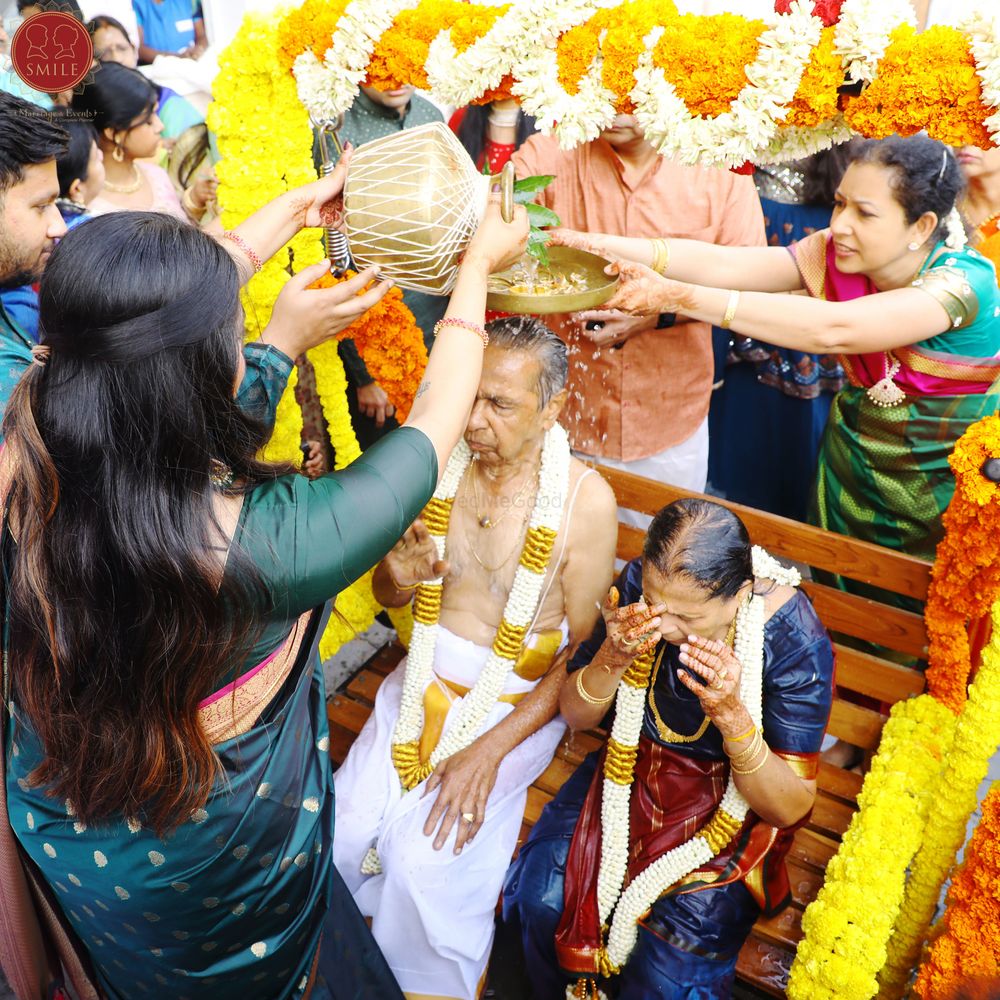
251	254
464	324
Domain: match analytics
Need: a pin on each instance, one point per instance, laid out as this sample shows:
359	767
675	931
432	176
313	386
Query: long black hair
121	617
472	130
703	541
926	176
74	164
117	97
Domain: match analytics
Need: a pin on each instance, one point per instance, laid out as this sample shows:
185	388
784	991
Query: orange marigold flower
817	99
401	52
310	26
926	81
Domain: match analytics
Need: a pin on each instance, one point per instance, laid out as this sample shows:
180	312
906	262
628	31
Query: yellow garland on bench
849	925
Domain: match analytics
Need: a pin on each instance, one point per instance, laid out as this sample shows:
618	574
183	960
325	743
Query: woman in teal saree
167	769
890	287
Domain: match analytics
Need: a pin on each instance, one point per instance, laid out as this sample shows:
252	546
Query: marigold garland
846	933
965	580
926	81
818	97
967	944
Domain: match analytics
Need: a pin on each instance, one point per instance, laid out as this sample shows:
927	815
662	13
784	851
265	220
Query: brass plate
600	287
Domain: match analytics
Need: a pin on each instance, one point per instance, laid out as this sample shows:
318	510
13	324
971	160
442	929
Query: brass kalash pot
412	202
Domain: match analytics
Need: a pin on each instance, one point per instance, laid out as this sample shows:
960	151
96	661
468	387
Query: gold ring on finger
630	644
723	674
469	817
718	685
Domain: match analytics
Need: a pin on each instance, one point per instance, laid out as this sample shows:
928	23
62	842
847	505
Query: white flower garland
651	883
864	31
460	78
752	121
522	604
984	43
328	88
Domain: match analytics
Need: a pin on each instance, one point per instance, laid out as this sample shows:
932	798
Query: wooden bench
767	955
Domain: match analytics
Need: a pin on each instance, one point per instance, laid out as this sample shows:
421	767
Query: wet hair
472	129
926	176
703	541
28	136
530	334
75	162
121	618
117	96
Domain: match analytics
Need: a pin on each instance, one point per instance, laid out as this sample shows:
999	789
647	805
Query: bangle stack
661	256
586	695
399	587
248	250
739	762
463	324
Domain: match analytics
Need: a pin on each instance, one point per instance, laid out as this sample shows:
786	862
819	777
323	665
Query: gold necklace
518	545
484	519
131	187
667	734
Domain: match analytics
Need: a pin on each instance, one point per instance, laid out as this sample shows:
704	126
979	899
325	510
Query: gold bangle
731	307
743	736
398	587
745	756
187	202
754	770
585	694
661	255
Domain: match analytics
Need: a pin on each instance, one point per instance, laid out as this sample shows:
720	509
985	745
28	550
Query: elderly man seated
506	567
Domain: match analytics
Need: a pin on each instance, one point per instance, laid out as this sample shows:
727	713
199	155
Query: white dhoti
432	911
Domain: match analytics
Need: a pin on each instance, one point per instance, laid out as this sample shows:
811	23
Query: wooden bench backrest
846	615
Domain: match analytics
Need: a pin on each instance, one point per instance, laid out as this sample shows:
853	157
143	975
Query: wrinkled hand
414	559
304	317
496	243
720	669
374	403
616	326
632	630
314	465
643	292
463	782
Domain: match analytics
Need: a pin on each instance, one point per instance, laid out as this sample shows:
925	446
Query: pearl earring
913	247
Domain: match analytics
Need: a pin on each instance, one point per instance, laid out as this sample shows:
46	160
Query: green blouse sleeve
979	336
312	538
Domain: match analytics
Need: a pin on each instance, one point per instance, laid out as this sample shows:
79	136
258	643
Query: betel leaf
526	187
541	217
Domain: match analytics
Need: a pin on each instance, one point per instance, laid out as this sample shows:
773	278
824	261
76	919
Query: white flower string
328	88
956	237
652	882
984	43
864	31
753	119
522	603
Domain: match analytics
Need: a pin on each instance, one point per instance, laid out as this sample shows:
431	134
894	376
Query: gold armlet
950	288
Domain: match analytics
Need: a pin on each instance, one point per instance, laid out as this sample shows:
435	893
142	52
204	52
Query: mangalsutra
518	545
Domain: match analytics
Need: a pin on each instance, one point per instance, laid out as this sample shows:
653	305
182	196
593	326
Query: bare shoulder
594	496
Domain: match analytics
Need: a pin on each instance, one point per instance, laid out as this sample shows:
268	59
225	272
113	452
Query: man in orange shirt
639	388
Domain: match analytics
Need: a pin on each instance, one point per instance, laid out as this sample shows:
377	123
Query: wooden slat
831	816
552	778
805	882
340	743
364	686
875	677
535	804
857	725
841	554
865	619
812	848
836	781
347	713
765	965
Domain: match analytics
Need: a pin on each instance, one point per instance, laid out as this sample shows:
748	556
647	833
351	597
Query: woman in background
492	133
778	397
982	199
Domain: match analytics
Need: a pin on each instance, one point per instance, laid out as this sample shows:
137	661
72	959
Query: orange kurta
652	393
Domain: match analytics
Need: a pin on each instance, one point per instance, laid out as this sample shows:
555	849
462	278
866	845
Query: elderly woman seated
652	863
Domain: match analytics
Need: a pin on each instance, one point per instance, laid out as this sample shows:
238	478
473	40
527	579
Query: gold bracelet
401	589
733	305
187	202
586	695
661	256
754	770
745	756
743	736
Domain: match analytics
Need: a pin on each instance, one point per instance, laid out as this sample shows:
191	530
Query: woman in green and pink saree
891	288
